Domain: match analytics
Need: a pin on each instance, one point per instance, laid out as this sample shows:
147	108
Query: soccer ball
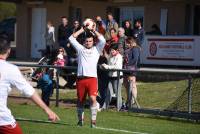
89	24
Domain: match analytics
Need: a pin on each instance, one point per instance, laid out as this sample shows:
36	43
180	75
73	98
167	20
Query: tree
7	10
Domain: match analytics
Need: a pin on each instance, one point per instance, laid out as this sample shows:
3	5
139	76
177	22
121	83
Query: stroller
47	59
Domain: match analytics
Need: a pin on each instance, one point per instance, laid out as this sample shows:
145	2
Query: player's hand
82	29
52	116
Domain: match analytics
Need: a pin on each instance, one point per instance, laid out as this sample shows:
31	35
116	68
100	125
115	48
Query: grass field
106	119
151	95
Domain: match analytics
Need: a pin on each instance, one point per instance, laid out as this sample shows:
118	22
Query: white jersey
88	58
10	76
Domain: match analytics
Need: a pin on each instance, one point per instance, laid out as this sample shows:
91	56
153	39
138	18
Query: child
61	57
115	61
46	84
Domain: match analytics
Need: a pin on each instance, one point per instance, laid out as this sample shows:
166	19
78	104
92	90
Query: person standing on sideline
50	38
122	38
88	55
130	63
138	32
128	29
64	31
11	76
110	24
101	26
115	61
138	35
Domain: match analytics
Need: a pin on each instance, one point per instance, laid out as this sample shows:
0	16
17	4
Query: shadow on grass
43	121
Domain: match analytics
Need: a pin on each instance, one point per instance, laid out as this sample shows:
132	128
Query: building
180	17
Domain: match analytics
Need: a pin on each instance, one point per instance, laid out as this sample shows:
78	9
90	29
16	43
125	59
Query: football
89	24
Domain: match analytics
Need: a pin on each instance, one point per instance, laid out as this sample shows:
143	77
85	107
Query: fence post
118	91
190	94
129	93
57	86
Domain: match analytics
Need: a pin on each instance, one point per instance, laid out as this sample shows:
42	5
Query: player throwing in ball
88	55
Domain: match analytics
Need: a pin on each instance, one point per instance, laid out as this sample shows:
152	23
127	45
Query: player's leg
92	90
81	94
11	129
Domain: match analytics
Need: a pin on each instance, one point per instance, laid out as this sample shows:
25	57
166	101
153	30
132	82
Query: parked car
7	28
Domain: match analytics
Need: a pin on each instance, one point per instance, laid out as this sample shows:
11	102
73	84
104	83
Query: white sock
93	113
80	113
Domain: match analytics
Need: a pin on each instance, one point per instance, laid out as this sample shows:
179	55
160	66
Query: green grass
157	95
107	119
160	94
150	95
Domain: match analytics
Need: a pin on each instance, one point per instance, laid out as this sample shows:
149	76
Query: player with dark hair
11	76
88	55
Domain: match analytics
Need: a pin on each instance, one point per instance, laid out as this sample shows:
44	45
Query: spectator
61	59
122	38
72	57
128	29
46	85
71	51
155	30
101	26
64	31
130	62
50	38
115	61
138	32
113	39
110	24
102	75
102	81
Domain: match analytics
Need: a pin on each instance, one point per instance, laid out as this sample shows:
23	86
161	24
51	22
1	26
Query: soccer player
11	76
88	55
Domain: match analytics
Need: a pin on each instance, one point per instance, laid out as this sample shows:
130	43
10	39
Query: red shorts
10	129
86	85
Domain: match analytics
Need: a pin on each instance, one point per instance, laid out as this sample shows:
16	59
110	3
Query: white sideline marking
119	130
108	129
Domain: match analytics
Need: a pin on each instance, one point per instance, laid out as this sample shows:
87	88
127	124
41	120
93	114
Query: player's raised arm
74	42
76	34
100	45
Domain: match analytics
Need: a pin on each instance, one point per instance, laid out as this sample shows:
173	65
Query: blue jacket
132	56
45	82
